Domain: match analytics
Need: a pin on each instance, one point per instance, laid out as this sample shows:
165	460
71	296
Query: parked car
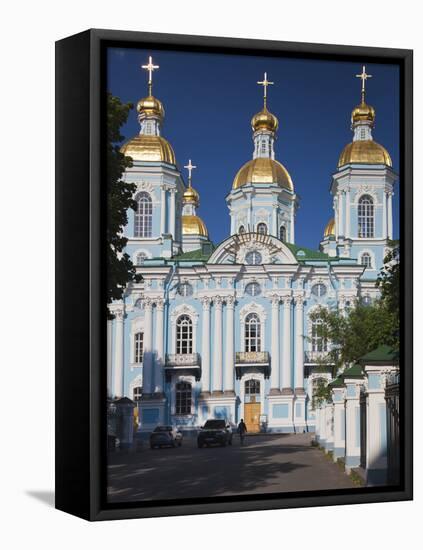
215	432
165	436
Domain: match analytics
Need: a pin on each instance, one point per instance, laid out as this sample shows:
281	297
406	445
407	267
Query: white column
163	211
275	220
229	361
118	380
205	346
347	214
217	345
384	216
299	342
335	209
338	423
148	348
352	426
286	381
249	228
233	231
109	357
341	230
172	228
158	373
275	375
390	215
292	228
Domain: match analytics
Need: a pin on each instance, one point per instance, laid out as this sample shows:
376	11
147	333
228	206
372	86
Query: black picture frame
80	272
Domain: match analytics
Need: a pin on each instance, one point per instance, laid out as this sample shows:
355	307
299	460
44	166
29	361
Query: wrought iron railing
248	357
183	360
312	356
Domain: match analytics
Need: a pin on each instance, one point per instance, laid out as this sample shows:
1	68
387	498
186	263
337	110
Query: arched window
143	215
140	257
241	229
138	347
183	398
282	233
261	228
366	221
184	335
252	332
318	342
366	260
137	393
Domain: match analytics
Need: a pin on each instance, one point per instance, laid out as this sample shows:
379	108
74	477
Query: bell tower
362	190
262	199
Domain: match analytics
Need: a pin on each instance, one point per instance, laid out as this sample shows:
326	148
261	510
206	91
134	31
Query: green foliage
321	393
120	270
389	285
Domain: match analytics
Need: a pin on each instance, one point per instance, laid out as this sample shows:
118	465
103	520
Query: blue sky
209	101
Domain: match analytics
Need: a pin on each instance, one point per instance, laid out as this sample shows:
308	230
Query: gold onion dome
364	152
191	196
149	148
263	170
264	120
150	106
330	228
194	225
363	112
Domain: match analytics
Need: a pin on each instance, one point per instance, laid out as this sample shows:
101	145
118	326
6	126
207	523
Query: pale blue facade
225	328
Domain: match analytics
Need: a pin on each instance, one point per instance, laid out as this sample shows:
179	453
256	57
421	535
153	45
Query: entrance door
252	416
252	406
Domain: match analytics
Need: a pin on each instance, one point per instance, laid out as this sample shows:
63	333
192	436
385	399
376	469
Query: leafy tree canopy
120	270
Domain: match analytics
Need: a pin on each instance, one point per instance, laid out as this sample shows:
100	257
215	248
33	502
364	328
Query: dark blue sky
209	101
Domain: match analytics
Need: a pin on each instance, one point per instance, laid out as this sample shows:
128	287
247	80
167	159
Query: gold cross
190	167
265	83
363	76
150	67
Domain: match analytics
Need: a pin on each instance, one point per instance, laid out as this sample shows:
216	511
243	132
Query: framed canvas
233	315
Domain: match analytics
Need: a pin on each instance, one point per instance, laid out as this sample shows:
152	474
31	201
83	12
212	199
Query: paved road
265	464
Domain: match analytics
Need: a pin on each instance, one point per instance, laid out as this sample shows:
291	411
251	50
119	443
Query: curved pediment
236	248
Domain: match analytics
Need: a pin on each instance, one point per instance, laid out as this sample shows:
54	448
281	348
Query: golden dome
330	228
149	148
263	170
264	120
194	225
364	152
191	196
363	112
150	106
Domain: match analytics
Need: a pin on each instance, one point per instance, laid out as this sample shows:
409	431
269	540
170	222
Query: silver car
165	436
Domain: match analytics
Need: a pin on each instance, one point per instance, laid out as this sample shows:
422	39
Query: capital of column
147	303
119	314
159	304
286	301
299	300
205	301
218	301
275	299
230	301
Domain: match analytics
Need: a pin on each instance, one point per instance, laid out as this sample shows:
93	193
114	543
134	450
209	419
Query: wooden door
252	416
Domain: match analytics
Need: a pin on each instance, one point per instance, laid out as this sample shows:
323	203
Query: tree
389	285
120	270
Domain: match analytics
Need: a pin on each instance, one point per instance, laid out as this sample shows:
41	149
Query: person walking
242	430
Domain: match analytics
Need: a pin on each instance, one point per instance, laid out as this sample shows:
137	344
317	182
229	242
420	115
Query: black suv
215	432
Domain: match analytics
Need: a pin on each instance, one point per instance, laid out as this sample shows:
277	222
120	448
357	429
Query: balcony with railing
183	363
256	360
316	357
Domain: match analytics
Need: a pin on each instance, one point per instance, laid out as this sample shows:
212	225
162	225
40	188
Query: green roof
307	253
381	355
353	372
193	255
337	382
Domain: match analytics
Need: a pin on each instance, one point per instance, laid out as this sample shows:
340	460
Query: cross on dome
150	67
265	83
363	76
190	167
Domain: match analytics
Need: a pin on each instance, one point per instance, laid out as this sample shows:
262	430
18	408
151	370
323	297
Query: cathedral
223	330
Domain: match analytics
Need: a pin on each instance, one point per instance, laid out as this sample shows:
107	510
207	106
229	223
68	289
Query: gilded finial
265	83
150	67
363	76
190	167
